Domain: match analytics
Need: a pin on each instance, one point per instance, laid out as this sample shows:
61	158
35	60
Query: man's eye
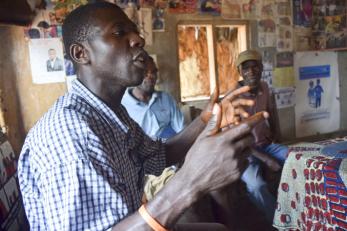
119	33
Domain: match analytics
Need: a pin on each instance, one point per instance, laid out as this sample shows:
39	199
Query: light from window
201	59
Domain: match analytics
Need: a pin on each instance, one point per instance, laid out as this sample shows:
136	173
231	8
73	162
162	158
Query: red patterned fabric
312	193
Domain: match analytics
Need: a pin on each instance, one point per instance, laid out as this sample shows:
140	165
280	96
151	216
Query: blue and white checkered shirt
82	165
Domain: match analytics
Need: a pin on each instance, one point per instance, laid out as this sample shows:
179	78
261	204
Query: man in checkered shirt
82	165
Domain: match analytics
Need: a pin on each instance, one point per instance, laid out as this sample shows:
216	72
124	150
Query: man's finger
237	120
242	102
207	113
244	144
213	125
241	112
233	116
256	118
234	93
215	95
236	132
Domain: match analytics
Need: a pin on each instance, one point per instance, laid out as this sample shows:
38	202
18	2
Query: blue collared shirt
159	118
82	166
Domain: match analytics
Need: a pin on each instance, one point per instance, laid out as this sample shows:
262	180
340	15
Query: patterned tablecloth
312	194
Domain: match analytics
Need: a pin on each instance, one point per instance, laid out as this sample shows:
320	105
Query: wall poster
182	7
231	9
317	108
321	24
210	6
47	60
12	216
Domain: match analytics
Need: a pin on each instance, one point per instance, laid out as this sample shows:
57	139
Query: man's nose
249	70
136	40
150	75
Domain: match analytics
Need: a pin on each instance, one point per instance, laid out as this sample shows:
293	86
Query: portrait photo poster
46	60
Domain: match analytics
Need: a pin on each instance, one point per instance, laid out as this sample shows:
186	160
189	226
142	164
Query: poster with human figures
329	25
317	106
143	19
47	61
267	24
250	9
284	28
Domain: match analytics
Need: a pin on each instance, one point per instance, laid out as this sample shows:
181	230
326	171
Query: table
312	193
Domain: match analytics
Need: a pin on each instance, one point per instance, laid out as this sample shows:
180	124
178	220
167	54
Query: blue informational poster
317	106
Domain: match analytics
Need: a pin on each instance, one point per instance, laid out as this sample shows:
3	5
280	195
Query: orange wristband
155	225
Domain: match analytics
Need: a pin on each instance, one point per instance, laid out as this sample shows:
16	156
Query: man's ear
239	69
261	66
79	54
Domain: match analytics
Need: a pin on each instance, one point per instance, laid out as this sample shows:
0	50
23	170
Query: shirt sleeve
273	120
72	196
69	180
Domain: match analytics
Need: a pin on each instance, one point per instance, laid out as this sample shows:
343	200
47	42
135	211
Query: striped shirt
82	166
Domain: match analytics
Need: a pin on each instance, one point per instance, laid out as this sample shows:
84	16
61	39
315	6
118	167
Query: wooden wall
22	101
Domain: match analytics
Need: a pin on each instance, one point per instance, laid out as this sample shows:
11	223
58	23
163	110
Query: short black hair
79	27
43	24
34	33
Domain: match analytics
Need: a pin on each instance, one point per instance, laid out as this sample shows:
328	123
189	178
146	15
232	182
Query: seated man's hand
268	160
232	107
273	164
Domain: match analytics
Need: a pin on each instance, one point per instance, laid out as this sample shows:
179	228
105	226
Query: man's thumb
214	123
214	96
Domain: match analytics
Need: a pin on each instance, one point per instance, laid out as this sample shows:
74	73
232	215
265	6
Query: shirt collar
130	98
101	108
133	100
260	91
155	95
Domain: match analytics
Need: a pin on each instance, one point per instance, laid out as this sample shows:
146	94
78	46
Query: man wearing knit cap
250	67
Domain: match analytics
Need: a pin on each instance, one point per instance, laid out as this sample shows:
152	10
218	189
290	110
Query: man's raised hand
231	106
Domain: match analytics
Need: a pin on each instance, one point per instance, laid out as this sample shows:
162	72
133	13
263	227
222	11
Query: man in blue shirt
82	165
155	111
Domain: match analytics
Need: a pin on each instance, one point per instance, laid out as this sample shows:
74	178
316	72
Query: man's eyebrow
122	25
115	24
